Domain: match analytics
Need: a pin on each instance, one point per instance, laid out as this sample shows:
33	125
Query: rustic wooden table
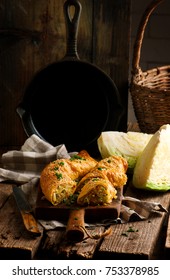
150	240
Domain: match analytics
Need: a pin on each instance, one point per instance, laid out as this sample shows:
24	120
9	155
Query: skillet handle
74	230
72	24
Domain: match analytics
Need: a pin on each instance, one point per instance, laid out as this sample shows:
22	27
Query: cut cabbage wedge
128	145
152	170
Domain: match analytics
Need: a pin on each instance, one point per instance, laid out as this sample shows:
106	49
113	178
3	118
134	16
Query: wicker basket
150	90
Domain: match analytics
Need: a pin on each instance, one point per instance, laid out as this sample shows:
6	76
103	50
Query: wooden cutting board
75	215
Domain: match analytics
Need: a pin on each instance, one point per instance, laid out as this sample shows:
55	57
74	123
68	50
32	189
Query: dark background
32	35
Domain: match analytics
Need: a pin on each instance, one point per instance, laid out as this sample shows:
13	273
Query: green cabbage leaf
152	170
128	145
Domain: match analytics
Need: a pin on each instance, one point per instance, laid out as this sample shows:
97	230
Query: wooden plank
111	43
143	243
147	241
56	246
49	247
5	190
139	244
148	236
15	241
82	250
167	243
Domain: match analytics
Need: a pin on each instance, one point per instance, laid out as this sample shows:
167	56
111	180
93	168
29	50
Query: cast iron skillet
71	101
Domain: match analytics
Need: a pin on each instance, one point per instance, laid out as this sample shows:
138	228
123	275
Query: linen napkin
24	167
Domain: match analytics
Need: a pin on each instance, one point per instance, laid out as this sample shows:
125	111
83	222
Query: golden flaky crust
59	178
99	185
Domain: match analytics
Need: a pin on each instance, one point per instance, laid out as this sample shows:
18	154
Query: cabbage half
128	145
152	170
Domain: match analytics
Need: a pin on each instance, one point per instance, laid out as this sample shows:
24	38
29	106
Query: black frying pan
71	101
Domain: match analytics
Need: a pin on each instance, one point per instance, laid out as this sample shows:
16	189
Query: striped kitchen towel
27	163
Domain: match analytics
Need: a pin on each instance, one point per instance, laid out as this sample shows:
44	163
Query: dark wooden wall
32	35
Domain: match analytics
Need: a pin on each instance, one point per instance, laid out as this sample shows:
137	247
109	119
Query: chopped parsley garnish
70	200
61	163
124	234
99	168
130	229
59	176
77	157
56	167
95	179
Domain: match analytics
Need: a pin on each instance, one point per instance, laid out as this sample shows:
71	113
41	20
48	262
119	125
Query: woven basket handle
140	34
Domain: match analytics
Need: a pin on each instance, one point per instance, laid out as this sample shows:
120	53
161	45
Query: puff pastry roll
59	178
99	185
